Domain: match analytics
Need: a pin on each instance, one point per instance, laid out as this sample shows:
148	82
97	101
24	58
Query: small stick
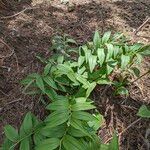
141	76
8	17
133	123
12	50
17	100
141	26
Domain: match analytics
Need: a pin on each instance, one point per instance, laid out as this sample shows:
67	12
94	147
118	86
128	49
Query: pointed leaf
106	37
56	132
50	82
7	145
25	144
76	133
48	144
81	115
59	105
47	69
124	61
96	39
27	124
101	55
11	133
92	62
70	143
81	60
114	145
56	118
39	83
90	89
77	124
82	106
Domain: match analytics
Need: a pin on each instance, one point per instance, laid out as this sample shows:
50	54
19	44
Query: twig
17	100
141	76
141	26
12	50
9	55
133	123
8	17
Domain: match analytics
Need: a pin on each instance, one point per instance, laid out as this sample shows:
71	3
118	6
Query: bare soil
29	34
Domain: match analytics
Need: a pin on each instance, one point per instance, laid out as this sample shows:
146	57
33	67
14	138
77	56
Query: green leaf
96	39
39	83
77	124
64	68
81	60
62	80
48	144
81	115
38	137
110	51
114	144
50	82
11	133
7	145
56	132
82	106
87	53
27	81
110	66
27	124
104	147
60	59
97	122
47	69
56	118
144	112
136	47
51	94
125	60
72	41
82	70
145	50
72	77
70	143
76	133
90	89
59	105
106	37
25	144
101	55
122	91
136	71
92	62
82	80
104	81
116	51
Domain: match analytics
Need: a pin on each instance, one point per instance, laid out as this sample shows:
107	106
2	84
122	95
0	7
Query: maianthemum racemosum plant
68	79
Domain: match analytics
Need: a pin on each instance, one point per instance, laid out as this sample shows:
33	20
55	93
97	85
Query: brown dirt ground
29	34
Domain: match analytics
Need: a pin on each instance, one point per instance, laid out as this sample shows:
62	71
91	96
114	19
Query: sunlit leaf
96	39
106	37
101	55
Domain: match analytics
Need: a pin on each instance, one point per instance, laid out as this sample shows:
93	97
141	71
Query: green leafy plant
105	60
144	112
68	83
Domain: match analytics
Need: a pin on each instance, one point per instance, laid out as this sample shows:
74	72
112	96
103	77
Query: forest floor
29	34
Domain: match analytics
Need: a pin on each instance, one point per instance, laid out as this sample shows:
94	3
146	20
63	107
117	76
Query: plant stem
141	76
